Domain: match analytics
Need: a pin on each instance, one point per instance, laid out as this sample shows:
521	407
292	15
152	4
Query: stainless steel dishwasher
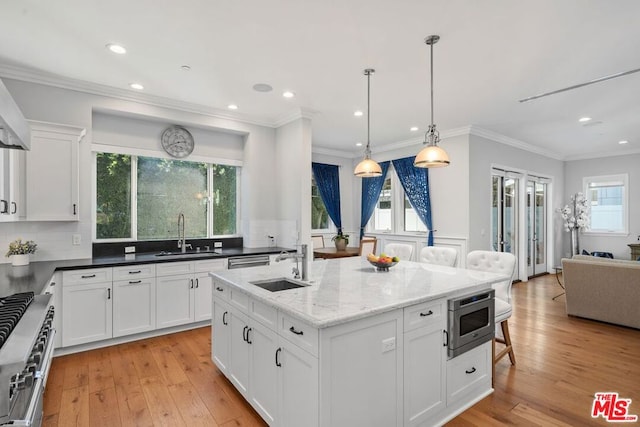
247	261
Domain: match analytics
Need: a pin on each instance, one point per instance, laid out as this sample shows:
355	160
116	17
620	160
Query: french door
536	226
504	212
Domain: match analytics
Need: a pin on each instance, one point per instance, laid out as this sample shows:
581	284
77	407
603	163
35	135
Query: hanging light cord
367	151
432	136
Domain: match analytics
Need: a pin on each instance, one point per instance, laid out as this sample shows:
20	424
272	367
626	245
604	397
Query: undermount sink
168	253
279	284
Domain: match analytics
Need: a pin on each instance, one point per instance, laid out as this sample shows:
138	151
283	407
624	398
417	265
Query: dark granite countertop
35	276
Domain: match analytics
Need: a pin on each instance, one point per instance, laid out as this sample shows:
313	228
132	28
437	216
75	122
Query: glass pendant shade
431	156
368	169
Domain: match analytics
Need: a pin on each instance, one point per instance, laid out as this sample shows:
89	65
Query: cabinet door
263	372
87	313
239	352
11	200
52	196
297	386
202	297
221	335
174	300
424	368
134	306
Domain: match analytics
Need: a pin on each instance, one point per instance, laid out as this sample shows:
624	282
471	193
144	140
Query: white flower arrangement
18	247
576	214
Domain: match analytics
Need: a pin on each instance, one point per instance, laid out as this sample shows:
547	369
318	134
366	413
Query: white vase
22	259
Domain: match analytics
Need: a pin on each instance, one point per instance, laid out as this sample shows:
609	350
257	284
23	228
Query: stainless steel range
26	347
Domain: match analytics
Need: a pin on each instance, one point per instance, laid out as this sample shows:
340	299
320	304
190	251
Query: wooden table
328	253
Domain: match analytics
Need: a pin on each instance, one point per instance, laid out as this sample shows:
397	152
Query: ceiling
491	54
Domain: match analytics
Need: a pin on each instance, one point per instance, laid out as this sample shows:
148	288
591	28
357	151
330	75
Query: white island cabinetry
352	347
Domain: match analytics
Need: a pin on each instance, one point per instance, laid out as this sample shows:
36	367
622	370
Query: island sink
279	284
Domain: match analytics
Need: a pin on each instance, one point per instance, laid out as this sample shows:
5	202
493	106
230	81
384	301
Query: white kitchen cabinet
424	362
87	313
52	171
278	378
184	291
11	194
469	374
134	306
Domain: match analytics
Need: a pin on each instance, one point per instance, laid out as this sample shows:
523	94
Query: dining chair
401	250
438	255
502	263
368	246
318	241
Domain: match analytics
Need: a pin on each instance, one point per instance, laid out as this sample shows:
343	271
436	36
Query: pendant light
431	156
368	168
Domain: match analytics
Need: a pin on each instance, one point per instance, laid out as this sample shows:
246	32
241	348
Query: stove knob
36	357
39	346
24	381
31	368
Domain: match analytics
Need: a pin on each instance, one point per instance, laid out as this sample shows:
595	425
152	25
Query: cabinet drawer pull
5	207
428	313
15	208
244	333
108	293
248	340
135	272
224	318
197	283
446	338
75	210
191	281
89	276
278	364
219	289
292	329
134	282
470	371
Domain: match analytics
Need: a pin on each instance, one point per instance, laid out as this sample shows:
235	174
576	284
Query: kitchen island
353	347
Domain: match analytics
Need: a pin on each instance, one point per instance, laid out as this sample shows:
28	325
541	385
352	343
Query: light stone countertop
342	290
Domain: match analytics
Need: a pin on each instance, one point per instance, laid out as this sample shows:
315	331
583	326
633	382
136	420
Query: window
319	214
608	200
394	212
140	198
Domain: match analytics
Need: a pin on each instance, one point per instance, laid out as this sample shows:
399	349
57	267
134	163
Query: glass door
536	227
504	213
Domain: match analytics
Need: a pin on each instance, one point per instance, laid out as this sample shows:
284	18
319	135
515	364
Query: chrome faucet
182	243
301	256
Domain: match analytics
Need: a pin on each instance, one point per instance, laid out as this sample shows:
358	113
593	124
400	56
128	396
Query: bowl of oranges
382	262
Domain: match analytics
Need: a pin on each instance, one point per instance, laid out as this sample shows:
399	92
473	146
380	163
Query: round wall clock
177	141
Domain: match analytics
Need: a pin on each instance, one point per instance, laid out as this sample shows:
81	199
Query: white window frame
624	178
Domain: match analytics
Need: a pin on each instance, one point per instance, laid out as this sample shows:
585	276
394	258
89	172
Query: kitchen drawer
469	372
424	314
264	314
211	265
86	276
299	333
131	272
239	299
174	268
220	290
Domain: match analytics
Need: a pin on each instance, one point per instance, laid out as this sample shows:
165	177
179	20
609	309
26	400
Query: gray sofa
603	289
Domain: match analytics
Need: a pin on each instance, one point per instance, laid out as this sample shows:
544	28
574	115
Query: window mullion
134	197
210	200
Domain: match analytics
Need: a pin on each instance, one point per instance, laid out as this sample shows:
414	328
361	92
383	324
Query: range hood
14	130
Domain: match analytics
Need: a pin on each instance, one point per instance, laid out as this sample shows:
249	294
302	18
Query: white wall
57	105
576	170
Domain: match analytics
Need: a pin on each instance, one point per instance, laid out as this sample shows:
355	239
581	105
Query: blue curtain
415	182
328	183
371	188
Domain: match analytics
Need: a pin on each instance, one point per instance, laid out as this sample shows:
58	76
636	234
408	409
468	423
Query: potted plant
19	251
341	240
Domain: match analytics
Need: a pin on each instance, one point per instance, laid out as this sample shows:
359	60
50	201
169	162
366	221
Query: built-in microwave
471	321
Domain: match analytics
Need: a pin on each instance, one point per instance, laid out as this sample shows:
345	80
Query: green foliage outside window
319	214
113	216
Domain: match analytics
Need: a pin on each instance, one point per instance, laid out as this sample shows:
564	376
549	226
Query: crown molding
294	114
512	142
54	80
612	153
334	152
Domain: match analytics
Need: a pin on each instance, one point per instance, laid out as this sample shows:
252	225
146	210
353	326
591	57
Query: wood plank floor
171	381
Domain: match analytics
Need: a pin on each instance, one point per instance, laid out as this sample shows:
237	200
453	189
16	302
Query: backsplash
142	246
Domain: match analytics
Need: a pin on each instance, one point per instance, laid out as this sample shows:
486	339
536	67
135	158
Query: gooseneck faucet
182	243
301	256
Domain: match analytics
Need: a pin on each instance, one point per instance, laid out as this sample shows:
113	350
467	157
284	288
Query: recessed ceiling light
357	113
116	48
584	119
358	144
136	86
288	94
262	87
623	142
232	107
185	68
414	128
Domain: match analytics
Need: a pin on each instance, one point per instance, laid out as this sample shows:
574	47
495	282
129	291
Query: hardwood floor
171	381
